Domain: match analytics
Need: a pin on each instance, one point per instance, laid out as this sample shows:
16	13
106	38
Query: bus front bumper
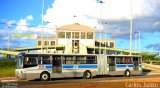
20	74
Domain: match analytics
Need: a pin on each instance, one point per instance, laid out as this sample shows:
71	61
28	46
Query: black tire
44	76
127	73
87	75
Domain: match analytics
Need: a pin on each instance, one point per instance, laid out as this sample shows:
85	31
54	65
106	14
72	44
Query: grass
7	68
7	72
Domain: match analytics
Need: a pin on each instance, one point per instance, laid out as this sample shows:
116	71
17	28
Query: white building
75	38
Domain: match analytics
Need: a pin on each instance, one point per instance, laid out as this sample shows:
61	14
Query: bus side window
81	60
91	60
69	60
120	60
128	60
46	60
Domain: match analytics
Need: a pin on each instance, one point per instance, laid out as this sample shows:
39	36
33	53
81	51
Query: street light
42	27
131	28
105	45
135	39
95	41
73	49
8	38
139	39
100	26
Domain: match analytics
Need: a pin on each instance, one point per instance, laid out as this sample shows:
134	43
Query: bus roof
119	55
56	54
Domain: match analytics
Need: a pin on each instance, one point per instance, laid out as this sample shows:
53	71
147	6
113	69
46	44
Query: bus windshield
19	62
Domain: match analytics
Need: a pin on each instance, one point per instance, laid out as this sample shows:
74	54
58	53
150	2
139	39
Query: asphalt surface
61	81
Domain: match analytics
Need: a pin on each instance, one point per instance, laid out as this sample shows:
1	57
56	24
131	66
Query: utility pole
139	39
100	26
42	43
105	45
8	38
74	35
131	28
135	33
95	42
47	38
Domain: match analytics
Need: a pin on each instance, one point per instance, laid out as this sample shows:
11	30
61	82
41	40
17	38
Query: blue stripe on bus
130	65
124	65
48	66
87	66
120	65
67	66
80	66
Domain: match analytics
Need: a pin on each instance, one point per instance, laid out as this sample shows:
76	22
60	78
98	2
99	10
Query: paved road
22	84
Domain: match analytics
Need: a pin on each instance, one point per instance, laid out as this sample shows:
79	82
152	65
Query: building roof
45	38
76	27
105	40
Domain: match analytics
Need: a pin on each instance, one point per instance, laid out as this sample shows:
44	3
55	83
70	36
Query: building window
39	43
111	44
106	44
68	34
83	35
61	34
52	43
77	35
46	43
73	33
89	35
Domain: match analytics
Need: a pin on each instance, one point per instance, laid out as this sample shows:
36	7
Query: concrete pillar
8	56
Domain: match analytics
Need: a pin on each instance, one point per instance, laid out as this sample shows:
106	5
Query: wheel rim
127	73
44	76
88	75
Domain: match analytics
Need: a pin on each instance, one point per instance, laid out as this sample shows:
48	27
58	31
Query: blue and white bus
46	66
126	65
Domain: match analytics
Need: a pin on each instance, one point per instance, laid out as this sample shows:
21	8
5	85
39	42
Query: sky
112	16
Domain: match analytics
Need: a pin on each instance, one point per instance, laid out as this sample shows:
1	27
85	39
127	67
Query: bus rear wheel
87	75
44	76
127	73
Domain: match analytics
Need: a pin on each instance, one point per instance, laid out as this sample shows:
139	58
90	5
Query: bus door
57	64
111	63
135	63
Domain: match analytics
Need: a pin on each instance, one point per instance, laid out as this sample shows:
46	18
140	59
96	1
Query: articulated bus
45	66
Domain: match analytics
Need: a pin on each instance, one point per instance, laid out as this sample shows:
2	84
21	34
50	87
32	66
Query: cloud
154	46
61	13
116	13
29	17
21	27
11	22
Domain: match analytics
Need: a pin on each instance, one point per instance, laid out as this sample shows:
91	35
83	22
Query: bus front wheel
44	76
87	75
127	73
